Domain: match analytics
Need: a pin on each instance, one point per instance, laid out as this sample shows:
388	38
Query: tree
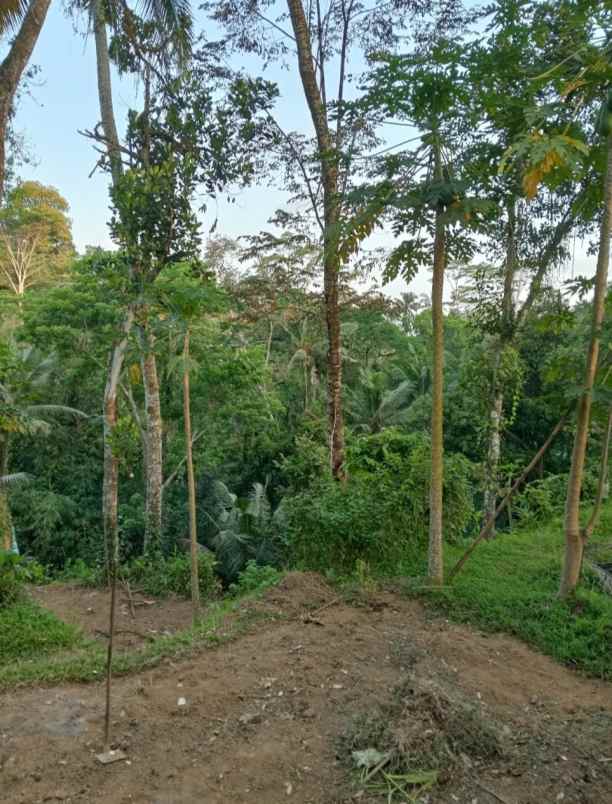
28	18
575	538
21	372
35	237
136	45
526	240
430	208
323	39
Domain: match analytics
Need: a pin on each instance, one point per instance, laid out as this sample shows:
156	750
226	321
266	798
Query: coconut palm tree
24	19
380	399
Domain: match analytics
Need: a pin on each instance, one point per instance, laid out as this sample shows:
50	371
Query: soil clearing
274	715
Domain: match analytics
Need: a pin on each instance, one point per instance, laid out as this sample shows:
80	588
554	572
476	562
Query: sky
64	102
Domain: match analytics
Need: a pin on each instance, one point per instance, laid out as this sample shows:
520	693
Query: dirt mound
299	593
261	716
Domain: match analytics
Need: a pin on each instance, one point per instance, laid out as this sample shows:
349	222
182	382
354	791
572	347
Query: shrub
255	578
381	514
163	576
541	500
82	573
15	572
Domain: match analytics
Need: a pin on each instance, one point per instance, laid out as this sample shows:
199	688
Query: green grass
510	584
27	630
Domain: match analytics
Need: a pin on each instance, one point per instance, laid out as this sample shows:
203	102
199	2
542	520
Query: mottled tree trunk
602	483
6	520
331	217
506	335
154	444
110	483
574	539
436	558
12	69
105	91
193	534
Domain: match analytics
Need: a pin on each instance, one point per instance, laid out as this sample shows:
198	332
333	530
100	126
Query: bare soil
267	716
88	609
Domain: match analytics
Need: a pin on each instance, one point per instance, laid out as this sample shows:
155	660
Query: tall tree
323	39
28	19
575	538
171	17
35	237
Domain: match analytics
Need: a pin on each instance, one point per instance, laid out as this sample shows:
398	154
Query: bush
381	514
255	578
80	572
541	500
163	576
15	573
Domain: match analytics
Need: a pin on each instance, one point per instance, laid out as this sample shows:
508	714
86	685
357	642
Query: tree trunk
497	406
493	456
6	520
105	92
12	69
193	535
331	217
154	444
601	484
574	540
436	559
110	482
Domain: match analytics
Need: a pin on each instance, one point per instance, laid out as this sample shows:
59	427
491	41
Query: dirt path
264	715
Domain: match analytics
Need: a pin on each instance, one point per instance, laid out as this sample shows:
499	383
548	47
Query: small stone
288	788
181	702
249	717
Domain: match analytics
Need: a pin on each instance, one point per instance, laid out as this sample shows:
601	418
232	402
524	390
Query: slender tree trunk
497	405
12	69
574	540
154	444
493	456
601	483
193	535
110	482
331	217
105	91
6	520
436	558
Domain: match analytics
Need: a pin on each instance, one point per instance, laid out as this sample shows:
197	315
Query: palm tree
380	400
26	19
19	417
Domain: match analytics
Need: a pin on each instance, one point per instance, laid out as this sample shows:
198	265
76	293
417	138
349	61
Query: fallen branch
489	524
311	616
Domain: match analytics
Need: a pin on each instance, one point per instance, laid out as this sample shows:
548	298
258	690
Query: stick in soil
109	756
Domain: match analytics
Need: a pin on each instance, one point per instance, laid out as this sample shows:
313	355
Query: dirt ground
264	715
88	609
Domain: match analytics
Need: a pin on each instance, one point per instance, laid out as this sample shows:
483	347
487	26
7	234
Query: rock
249	717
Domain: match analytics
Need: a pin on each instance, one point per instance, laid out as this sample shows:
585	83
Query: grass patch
510	584
88	663
28	630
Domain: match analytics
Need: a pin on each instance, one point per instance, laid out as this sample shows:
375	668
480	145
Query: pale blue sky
66	100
